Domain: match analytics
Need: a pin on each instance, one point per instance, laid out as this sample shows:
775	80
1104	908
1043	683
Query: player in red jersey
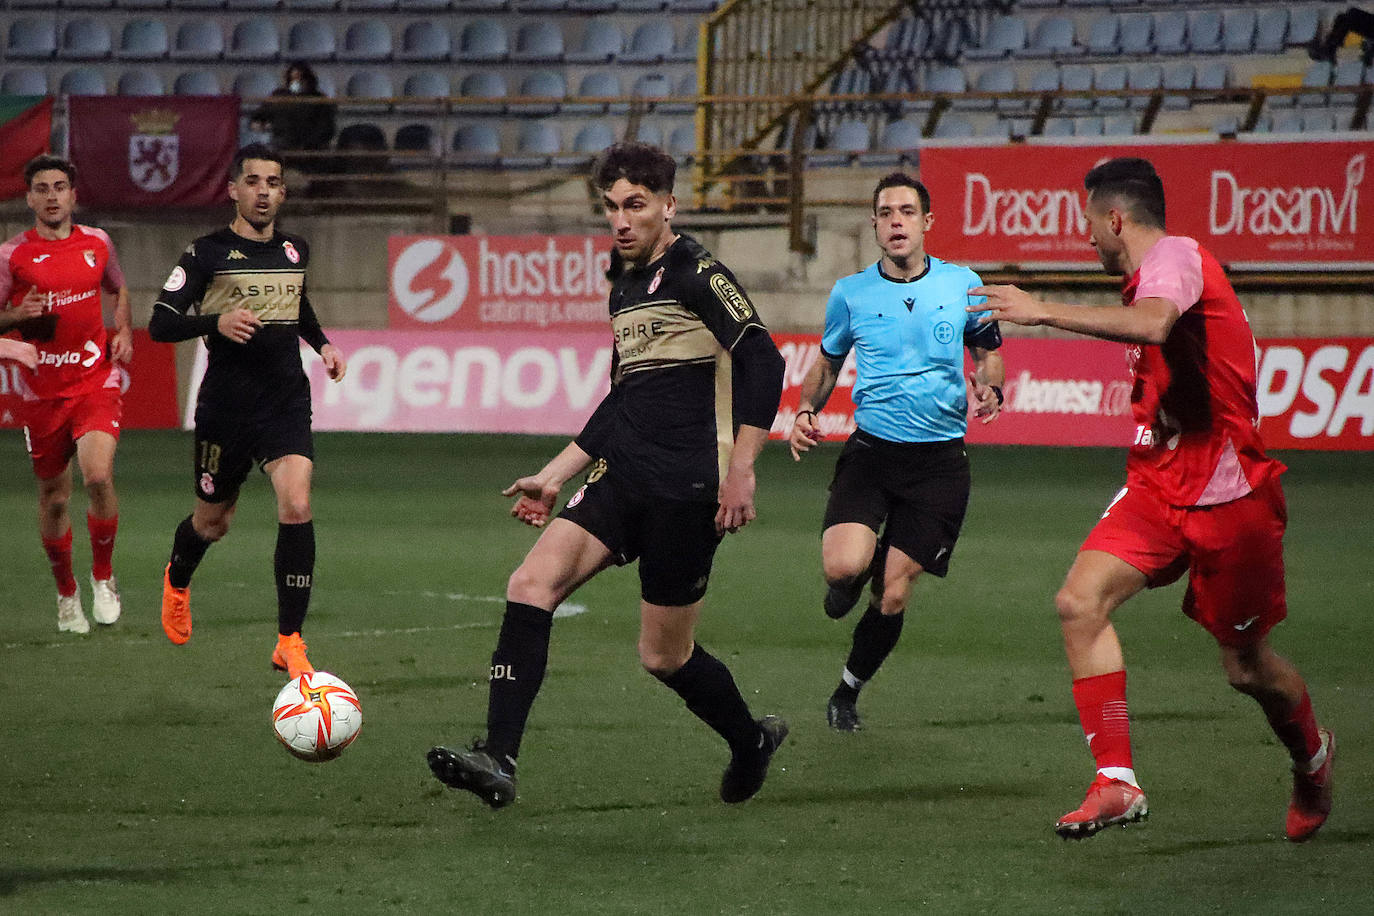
1201	496
51	278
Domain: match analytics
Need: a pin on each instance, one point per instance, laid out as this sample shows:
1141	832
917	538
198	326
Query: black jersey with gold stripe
668	424
224	271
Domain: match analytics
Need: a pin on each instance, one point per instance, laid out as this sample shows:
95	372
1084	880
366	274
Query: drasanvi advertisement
1299	205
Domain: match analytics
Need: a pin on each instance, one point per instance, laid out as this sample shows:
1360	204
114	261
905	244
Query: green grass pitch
139	777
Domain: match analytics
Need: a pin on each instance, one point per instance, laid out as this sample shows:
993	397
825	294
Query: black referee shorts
674	541
919	490
236	428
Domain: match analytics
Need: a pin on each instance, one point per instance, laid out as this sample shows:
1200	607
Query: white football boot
70	618
105	606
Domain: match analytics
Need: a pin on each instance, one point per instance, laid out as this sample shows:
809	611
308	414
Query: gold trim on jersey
272	295
659	335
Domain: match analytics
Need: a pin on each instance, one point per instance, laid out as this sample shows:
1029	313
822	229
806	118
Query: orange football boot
176	610
289	656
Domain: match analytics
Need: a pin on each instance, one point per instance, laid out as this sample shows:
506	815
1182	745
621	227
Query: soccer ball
316	716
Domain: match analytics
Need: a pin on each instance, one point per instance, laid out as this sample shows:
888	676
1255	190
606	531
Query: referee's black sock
875	636
707	687
517	671
188	549
294	565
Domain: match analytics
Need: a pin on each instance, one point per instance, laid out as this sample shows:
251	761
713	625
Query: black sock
705	684
874	638
517	671
188	549
294	565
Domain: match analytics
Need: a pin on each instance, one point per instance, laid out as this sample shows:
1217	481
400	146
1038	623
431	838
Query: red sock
1298	731
1101	702
59	551
102	544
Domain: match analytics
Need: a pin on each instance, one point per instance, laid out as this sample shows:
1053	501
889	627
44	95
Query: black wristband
811	412
997	390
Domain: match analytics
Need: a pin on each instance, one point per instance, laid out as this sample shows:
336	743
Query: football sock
188	549
1101	702
708	689
1297	729
875	636
294	567
517	671
102	532
59	551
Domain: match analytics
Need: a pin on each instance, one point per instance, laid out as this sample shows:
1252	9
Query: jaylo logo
87	356
430	280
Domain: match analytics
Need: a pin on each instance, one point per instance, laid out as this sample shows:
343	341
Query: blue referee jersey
909	338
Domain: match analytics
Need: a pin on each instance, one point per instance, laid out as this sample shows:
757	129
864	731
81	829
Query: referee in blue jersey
901	484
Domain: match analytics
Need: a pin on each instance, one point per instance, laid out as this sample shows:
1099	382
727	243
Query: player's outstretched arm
1146	321
536	494
20	351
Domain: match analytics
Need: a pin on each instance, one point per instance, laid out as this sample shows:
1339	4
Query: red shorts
51	427
1233	554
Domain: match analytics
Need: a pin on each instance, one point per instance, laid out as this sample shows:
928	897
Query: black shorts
919	490
674	541
235	429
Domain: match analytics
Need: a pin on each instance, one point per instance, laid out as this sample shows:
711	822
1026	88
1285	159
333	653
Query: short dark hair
638	163
902	180
253	151
1134	182
45	162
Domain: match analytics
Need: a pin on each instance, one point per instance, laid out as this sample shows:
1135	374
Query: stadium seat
1317	76
83	81
1000	78
310	40
1303	22
1104	35
1214	74
1137	33
426	84
370	84
32	40
482	40
24	81
1077	79
1226	126
590	140
85	39
950	81
849	138
1271	30
144	39
599	84
1053	38
1058	127
1144	76
1090	126
548	84
415	138
1044	80
255	39
954	128
361	137
255	84
1006	37
651	43
1320	121
425	41
366	40
602	41
647	133
198	39
1110	79
1179	76
1348	72
1120	125
686	89
538	43
196	82
682	143
1204	31
591	6
477	145
651	86
535	145
140	82
898	142
1287	122
485	84
1238	28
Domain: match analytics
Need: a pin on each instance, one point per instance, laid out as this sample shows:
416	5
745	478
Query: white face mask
295	85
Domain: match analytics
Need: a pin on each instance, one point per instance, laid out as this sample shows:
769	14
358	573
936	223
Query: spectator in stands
298	125
1352	20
